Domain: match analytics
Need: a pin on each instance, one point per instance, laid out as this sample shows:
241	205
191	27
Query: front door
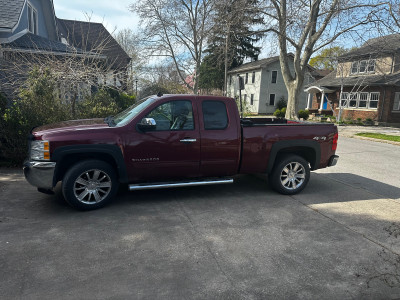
172	150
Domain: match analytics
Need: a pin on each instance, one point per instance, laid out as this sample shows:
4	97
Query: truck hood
70	125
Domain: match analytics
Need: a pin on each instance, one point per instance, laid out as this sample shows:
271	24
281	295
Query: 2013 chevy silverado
170	141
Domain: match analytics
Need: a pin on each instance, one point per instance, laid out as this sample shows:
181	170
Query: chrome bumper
40	173
333	160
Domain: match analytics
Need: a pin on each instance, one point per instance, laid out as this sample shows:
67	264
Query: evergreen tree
232	40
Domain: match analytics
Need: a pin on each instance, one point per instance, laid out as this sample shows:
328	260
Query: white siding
263	87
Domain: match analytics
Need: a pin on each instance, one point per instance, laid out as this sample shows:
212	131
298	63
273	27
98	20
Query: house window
373	100
371	66
363	100
343	99
32	19
354	67
396	103
272	99
274	76
252	99
363	66
353	100
244	98
247	78
253	78
359	100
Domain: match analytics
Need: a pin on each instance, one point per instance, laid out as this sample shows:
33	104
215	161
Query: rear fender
311	149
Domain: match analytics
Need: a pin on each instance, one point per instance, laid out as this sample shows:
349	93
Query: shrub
99	104
122	99
303	114
280	113
281	103
38	104
368	121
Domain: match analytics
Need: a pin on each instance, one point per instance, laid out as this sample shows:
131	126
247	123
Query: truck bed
261	135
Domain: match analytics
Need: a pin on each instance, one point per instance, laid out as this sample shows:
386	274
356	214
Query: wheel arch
67	156
309	150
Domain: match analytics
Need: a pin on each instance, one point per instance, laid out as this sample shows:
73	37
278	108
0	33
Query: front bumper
40	173
333	160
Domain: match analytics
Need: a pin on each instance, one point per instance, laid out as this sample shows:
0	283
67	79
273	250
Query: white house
263	85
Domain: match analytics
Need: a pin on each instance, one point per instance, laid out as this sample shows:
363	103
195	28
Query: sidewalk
351	131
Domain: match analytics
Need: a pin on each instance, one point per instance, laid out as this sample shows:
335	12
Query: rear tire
290	174
90	184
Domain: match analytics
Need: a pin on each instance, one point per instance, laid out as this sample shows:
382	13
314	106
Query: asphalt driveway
338	239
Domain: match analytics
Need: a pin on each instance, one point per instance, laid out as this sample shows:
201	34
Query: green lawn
380	136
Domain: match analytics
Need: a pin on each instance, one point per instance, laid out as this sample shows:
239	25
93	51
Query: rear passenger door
220	138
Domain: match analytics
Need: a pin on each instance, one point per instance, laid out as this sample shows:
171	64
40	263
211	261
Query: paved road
336	240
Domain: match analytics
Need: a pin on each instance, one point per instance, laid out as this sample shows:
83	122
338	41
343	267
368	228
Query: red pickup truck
170	141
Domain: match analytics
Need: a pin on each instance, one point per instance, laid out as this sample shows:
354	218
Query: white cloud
113	14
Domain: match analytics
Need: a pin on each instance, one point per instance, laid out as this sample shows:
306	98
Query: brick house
366	84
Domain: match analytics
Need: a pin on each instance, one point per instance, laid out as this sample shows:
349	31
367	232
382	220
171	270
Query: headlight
40	150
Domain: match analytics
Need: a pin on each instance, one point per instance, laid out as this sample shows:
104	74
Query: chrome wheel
92	186
293	176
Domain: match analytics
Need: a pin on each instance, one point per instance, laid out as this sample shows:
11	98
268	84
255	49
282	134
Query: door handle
186	140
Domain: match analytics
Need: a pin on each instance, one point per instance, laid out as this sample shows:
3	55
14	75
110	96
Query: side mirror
147	124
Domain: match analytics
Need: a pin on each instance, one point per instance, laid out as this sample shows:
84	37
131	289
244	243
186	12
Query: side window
214	115
272	99
174	115
274	76
396	103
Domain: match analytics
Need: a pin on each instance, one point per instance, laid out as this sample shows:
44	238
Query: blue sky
113	14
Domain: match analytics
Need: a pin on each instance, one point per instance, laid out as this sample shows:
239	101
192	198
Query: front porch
320	100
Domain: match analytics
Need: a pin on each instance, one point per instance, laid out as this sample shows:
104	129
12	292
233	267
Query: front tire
290	175
90	184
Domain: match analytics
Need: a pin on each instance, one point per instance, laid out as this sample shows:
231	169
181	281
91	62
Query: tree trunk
226	61
294	89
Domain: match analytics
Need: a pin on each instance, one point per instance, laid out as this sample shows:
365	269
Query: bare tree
129	41
177	29
77	70
306	27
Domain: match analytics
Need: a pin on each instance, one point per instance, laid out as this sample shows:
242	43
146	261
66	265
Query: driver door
169	152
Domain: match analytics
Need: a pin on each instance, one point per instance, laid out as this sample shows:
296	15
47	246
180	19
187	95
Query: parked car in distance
172	141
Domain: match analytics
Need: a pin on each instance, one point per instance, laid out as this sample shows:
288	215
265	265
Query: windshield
128	114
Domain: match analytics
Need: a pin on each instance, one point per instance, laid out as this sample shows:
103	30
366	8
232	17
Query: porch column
322	100
309	101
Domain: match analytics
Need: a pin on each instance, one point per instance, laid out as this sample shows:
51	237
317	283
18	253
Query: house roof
375	47
262	63
254	65
35	43
10	12
94	37
321	72
371	80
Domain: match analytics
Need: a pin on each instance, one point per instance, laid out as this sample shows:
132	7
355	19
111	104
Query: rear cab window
215	116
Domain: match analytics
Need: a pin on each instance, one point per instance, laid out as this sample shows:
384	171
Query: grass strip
380	136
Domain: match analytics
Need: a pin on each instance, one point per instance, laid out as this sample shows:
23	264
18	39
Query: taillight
334	141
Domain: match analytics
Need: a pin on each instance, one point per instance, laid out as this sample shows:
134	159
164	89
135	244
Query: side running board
164	185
